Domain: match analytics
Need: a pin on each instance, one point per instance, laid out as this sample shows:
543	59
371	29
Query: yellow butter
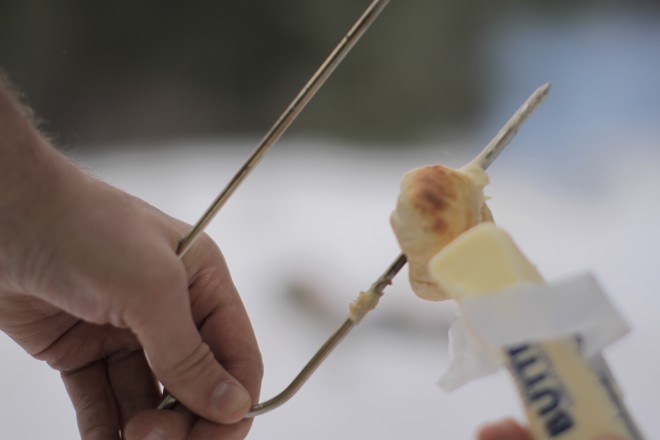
564	397
481	260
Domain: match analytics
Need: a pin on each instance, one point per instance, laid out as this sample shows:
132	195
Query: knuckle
254	363
258	364
198	364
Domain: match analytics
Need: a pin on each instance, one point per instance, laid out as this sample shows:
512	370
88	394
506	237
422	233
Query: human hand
90	281
509	429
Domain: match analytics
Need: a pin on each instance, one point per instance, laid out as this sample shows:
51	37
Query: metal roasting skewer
484	160
277	130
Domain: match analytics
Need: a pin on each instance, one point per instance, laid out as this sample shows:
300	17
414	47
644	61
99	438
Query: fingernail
155	435
230	397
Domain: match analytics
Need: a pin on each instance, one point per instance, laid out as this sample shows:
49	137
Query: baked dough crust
435	205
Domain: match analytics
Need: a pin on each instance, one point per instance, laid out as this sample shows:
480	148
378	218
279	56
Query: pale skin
90	282
509	429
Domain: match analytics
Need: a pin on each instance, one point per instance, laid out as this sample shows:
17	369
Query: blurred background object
100	73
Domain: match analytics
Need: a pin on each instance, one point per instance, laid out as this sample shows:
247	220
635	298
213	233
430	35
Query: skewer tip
501	140
542	91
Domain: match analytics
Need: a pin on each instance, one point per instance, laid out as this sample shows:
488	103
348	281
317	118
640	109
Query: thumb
186	366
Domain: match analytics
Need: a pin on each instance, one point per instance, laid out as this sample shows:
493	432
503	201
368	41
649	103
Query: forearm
32	172
23	152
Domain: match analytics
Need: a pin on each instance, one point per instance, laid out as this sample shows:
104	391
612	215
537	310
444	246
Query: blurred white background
578	188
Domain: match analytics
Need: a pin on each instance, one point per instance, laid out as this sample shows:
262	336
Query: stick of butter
564	396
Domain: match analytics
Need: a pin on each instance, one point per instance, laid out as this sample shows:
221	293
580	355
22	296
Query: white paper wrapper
468	357
576	306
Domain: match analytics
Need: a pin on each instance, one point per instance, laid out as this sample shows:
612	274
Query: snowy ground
309	229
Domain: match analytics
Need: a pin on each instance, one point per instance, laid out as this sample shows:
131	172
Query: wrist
23	153
35	183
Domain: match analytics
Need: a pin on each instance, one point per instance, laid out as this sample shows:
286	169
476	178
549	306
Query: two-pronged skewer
277	130
484	159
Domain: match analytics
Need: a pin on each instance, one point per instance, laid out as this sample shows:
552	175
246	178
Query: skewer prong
286	119
509	130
